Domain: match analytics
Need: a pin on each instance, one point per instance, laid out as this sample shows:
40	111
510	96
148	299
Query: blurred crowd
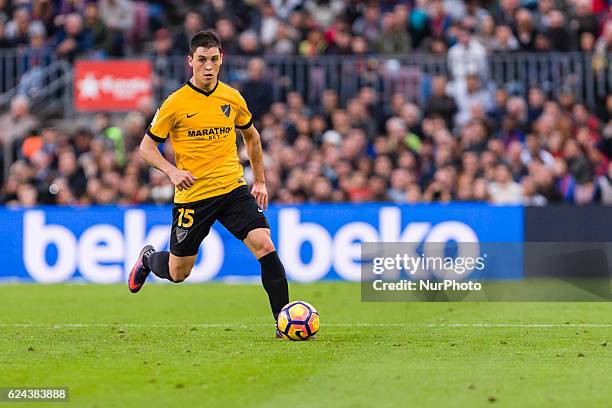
464	139
506	150
114	28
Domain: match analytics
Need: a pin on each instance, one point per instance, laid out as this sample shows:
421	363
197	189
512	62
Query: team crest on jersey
181	234
226	109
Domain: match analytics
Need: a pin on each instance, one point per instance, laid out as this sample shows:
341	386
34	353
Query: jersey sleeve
244	119
162	123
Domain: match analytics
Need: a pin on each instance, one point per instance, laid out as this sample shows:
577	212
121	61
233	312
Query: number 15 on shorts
185	219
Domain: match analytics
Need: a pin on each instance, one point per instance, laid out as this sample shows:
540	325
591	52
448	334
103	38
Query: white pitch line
348	325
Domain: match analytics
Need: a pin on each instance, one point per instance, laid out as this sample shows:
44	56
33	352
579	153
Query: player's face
206	63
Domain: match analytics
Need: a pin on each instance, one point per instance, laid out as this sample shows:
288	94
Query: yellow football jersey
201	125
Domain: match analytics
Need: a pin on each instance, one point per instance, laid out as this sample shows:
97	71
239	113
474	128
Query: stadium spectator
560	35
4	13
268	24
603	46
584	19
603	193
504	190
71	173
525	30
285	41
192	24
18	122
17	30
393	37
506	11
324	11
470	96
314	44
368	25
504	40
27	196
227	34
531	197
248	44
256	90
485	33
475	13
467	57
102	40
118	17
4	41
440	103
341	44
284	8
162	50
72	39
541	14
439	19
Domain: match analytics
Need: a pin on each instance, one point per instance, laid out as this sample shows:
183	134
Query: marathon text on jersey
210	133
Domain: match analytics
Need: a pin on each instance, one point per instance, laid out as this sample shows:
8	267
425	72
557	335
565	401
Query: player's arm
150	153
161	126
252	142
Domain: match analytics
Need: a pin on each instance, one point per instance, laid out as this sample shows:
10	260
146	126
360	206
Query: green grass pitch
213	345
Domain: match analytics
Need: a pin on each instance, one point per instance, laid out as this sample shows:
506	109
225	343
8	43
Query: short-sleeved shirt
201	126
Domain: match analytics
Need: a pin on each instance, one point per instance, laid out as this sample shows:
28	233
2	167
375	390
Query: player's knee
179	274
180	277
263	247
268	247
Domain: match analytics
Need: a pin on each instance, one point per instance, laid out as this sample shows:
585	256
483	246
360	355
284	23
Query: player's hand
181	179
260	193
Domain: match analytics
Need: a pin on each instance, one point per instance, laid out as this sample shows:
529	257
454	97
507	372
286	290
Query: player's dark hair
206	39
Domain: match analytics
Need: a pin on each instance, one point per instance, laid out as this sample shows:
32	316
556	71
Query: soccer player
200	118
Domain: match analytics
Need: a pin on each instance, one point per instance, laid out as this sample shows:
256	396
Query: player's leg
273	275
174	268
241	216
181	266
190	225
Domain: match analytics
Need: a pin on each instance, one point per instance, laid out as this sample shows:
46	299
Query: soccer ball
298	320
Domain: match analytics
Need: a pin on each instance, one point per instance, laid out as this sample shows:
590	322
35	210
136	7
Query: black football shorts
237	211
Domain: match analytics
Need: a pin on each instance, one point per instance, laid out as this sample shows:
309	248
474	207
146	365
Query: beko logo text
104	253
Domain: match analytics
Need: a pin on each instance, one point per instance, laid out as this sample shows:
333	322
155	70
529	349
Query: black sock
274	281
158	263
